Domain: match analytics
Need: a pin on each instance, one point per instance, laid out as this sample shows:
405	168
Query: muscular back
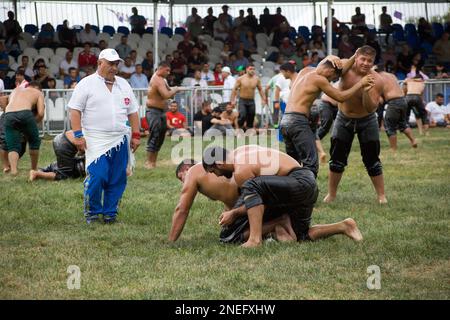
24	99
155	99
247	86
252	161
353	107
415	86
391	88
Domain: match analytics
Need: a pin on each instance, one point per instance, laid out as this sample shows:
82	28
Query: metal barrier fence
56	117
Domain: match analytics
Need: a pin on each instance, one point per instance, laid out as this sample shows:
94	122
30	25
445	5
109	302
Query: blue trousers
107	178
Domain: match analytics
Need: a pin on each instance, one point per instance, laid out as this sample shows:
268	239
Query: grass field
42	232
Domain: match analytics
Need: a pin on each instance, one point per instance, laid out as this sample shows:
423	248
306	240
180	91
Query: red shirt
86	59
218	80
176	120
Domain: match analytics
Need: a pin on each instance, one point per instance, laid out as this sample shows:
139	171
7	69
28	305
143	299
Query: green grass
42	232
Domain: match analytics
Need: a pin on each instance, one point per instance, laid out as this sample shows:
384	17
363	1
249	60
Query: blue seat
304	32
59	27
180	31
398	35
426	48
396	26
438	30
292	34
95	28
412	40
149	30
410	29
167	31
109	30
124	30
31	29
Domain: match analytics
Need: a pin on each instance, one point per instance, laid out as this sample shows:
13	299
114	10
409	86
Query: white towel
99	143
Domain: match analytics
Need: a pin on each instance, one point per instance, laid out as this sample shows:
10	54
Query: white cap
110	55
226	69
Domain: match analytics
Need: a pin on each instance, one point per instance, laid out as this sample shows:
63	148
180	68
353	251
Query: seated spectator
286	48
416	65
280	32
123	49
355	39
390	67
241	46
416	70
221	126
12	46
217	74
51	84
45	37
147	64
317	47
441	49
222	28
176	121
202	119
195	61
42	76
314	59
19	77
300	43
249	41
25	64
133	57
137	22
87	60
438	113
345	47
102	45
389	55
4	59
306	60
200	44
67	63
197	80
404	60
440	72
206	74
425	30
186	46
37	64
208	22
359	20
194	23
241	60
71	77
373	42
126	69
297	57
178	66
138	79
251	22
88	35
12	28
385	23
67	36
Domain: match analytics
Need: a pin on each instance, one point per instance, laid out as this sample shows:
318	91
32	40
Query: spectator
250	42
138	79
37	64
345	47
241	60
102	45
88	35
202	119
389	55
373	42
251	21
176	121
266	21
217	74
12	27
127	69
178	66
234	40
195	61
51	84
280	33
2	31
278	18
440	72
87	60
186	46
71	77
137	22
385	23
19	77
438	113
334	22
42	76
200	44
208	22
306	60
228	84
12	46
207	75
425	30
4	59
133	57
359	21
318	47
45	37
224	13
314	59
404	60
225	54
355	39
67	63
147	64
220	125
441	49
286	48
300	43
297	57
416	69
222	28
194	23
123	49
416	65
239	21
197	80
67	36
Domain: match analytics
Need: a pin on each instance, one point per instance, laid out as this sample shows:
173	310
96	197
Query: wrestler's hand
135	144
80	143
335	61
226	218
368	82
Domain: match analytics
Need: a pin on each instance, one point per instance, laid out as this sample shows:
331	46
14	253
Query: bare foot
282	235
351	230
329	198
149	165
14	173
382	199
32	175
6	170
287	226
323	158
251	244
414	143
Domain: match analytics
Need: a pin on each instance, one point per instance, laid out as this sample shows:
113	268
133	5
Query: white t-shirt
195	83
209	76
130	69
101	109
228	85
88	37
437	112
284	85
66	65
2	85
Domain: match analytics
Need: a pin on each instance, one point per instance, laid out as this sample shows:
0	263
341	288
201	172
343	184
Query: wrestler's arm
181	213
277	97
370	98
40	107
3	102
236	87
338	95
164	91
261	92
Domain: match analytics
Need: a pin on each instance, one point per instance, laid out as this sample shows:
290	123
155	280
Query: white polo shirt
437	112
103	110
284	85
228	85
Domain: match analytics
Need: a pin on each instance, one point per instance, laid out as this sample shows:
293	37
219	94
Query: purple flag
398	15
